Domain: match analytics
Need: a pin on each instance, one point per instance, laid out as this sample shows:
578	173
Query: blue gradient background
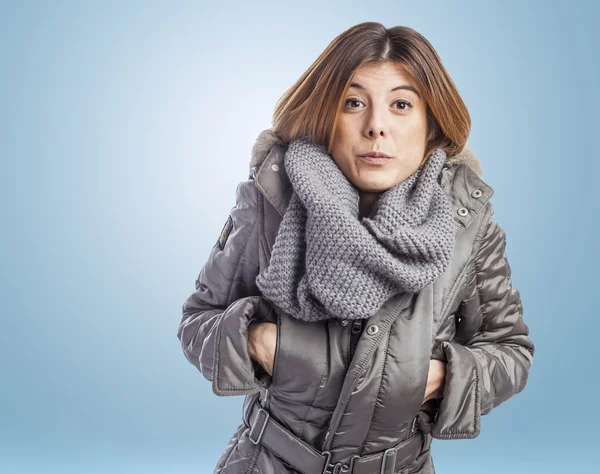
124	130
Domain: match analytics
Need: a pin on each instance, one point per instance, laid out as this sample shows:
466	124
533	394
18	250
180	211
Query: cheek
412	130
345	136
351	122
346	130
418	126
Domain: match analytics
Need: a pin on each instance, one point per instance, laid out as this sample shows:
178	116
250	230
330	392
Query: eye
407	104
352	100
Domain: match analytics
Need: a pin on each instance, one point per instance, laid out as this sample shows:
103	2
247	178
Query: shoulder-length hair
312	105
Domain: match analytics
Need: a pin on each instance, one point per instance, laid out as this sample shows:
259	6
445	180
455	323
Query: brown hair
312	105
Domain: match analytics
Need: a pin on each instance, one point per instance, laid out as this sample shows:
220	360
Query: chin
374	187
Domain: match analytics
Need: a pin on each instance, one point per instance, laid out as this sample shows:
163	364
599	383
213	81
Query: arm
489	360
215	318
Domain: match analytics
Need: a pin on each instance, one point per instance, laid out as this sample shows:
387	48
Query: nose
375	125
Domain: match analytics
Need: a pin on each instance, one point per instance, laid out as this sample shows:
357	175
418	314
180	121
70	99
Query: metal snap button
477	193
372	329
344	322
275	167
463	211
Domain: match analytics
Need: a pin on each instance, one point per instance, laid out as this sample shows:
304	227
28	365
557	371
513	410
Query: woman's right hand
262	341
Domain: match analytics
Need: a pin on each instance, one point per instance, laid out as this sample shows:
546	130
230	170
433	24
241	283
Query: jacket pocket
300	363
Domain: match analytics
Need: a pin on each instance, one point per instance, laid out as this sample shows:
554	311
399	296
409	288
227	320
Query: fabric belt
303	457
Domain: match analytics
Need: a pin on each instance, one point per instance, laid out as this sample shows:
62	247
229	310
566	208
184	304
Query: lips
374	159
376	154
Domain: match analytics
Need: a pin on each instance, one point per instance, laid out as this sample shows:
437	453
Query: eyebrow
403	86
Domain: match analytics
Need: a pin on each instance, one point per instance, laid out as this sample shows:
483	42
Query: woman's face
380	113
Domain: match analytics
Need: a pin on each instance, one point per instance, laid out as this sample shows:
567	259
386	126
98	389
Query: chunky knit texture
327	263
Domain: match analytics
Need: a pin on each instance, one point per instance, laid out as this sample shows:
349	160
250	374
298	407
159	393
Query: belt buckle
333	468
262	429
384	459
328	467
350	466
338	467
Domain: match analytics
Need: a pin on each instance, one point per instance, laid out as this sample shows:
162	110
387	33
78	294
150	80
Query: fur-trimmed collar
267	138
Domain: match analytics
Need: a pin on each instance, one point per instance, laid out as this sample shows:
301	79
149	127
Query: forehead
381	73
383	79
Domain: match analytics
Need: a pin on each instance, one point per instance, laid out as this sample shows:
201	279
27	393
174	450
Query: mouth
376	154
375	157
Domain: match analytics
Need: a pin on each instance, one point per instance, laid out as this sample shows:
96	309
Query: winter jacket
339	399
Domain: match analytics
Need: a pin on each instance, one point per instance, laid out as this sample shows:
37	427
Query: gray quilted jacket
339	401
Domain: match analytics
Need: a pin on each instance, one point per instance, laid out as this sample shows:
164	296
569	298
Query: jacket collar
461	178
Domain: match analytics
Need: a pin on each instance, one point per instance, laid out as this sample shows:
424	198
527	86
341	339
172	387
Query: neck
366	202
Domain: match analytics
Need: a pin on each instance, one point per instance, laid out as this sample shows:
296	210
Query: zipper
251	464
355	333
353	375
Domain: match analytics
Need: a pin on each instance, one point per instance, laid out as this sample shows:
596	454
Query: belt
266	431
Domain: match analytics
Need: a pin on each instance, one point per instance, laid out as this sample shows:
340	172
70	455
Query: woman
362	304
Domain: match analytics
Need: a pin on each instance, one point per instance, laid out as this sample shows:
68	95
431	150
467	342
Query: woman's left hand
435	380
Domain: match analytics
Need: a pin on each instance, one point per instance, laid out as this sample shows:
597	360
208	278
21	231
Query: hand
435	380
262	341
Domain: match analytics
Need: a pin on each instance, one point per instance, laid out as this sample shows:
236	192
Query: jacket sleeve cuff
236	373
459	411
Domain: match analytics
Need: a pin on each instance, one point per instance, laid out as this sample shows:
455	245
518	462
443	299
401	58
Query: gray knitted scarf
327	263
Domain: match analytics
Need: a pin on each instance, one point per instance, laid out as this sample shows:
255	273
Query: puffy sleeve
489	360
216	316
